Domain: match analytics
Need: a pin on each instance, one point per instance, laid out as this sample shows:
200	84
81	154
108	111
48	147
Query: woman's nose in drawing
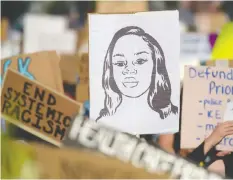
129	70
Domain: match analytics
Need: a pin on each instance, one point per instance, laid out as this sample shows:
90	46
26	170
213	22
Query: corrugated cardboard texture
44	66
4	29
69	68
36	108
82	89
121	6
69	163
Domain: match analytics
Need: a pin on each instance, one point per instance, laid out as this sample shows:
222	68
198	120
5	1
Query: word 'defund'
88	134
205	108
29	104
215	75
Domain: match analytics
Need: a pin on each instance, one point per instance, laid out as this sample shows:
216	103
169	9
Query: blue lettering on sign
231	142
227	141
217	114
212	102
209	127
220	89
5	66
23	67
213	114
210	73
192	72
201	74
209	114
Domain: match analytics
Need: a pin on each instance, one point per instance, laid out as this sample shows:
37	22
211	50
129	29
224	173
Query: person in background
209	17
186	13
227	7
206	155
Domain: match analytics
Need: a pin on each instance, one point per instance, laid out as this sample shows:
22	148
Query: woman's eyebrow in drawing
141	52
122	55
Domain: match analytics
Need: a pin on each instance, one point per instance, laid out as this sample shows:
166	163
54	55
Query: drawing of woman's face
132	65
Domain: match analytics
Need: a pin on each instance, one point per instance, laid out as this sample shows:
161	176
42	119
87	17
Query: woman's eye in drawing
119	63
140	61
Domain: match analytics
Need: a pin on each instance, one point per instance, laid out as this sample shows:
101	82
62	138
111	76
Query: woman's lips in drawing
130	82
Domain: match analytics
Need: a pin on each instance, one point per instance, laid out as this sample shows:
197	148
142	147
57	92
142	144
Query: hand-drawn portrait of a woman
134	65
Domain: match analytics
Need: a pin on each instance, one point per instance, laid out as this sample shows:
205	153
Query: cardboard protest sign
36	108
36	24
82	89
134	71
89	135
69	68
4	29
121	6
36	161
210	88
40	66
82	44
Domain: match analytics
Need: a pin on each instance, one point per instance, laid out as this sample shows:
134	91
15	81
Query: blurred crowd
195	16
201	16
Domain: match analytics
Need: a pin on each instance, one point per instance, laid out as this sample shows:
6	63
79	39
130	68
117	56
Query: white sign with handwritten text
207	101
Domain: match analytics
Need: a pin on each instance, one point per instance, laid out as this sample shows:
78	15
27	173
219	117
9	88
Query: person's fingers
229	132
223	153
228	129
228	123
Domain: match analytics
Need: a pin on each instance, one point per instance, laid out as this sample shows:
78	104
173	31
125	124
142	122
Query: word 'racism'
37	108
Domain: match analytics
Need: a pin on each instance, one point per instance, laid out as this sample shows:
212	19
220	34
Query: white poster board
195	45
10	48
64	42
207	101
35	24
134	71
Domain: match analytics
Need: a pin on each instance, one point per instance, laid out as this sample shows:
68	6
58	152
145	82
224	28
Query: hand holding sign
222	130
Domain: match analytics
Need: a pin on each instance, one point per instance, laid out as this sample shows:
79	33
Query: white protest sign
134	71
207	95
195	45
35	24
10	48
64	42
228	114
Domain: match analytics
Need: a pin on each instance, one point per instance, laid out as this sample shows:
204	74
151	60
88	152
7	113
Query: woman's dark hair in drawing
159	97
